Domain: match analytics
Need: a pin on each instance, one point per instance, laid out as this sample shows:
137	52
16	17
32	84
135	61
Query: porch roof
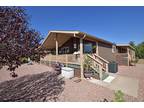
125	45
63	36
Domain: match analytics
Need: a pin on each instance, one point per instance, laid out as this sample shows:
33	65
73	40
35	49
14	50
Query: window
88	48
65	50
113	48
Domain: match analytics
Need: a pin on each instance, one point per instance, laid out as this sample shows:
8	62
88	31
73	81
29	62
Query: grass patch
140	61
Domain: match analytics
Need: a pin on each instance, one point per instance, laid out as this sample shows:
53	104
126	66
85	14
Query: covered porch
71	48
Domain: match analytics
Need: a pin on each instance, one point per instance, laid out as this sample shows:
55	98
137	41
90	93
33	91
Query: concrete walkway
127	85
129	79
136	72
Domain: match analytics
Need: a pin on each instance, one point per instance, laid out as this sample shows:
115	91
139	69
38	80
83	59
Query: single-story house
125	54
70	48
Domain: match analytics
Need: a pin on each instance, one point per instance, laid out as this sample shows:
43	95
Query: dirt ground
24	70
35	83
136	72
40	87
85	91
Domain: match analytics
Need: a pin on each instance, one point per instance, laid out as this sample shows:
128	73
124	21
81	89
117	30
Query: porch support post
100	72
134	55
106	67
56	48
66	59
81	58
97	48
50	59
128	56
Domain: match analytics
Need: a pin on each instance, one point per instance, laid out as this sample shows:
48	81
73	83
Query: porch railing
102	61
64	58
99	64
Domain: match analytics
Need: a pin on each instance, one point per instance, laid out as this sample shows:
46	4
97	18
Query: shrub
119	96
24	60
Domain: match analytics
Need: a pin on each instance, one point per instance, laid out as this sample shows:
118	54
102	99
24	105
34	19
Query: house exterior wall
132	54
105	51
72	48
69	45
125	55
122	59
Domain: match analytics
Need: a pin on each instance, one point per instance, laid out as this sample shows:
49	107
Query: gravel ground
40	87
24	70
85	91
135	72
73	91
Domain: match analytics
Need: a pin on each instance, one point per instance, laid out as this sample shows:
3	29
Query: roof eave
125	45
76	33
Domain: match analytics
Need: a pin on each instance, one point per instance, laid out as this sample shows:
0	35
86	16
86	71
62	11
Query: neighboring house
125	54
70	48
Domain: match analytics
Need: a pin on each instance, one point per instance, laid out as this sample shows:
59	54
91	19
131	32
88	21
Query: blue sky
116	24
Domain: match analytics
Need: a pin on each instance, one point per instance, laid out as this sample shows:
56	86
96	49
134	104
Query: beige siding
122	59
105	51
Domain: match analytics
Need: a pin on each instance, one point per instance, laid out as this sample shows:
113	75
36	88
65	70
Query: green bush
24	60
139	49
119	96
87	63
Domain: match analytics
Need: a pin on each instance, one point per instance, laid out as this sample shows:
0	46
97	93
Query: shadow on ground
45	86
